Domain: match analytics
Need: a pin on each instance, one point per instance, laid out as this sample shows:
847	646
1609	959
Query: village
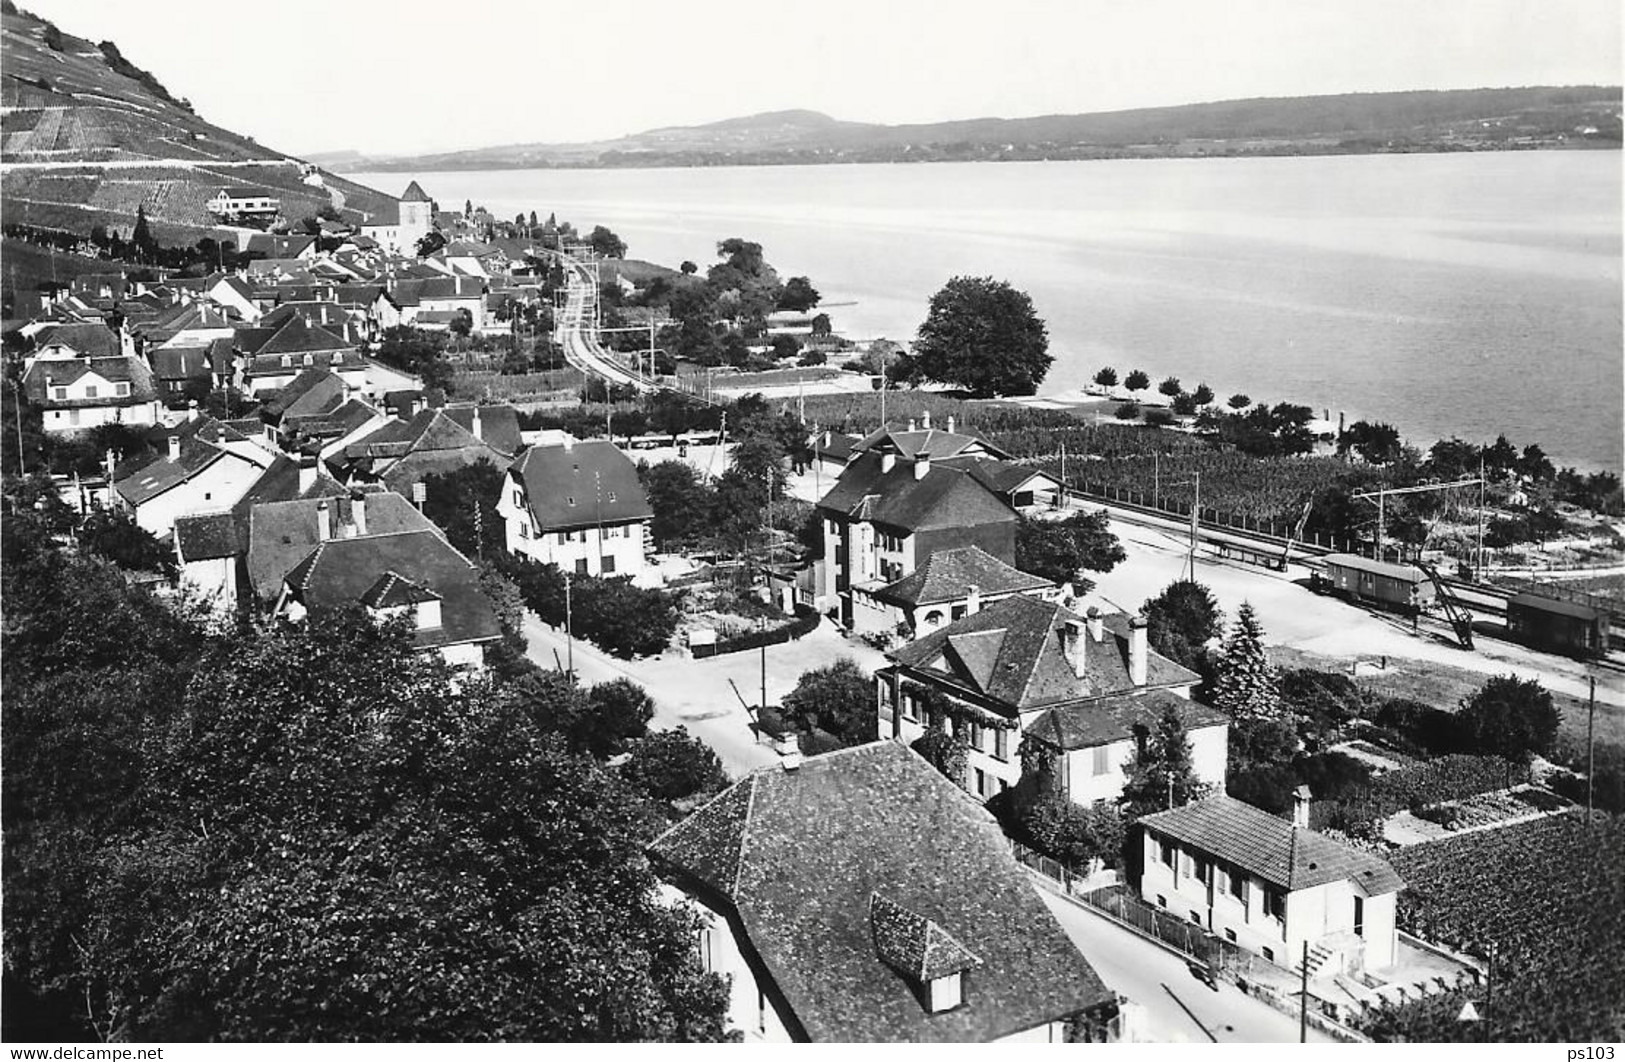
951	750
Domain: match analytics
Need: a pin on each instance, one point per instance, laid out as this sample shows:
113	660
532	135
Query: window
960	611
1162	901
1167	853
122	390
310	359
581	565
1102	760
524	530
61	393
518	498
1269	954
1238	884
761	1011
570	501
1274	903
981	782
1203	870
1229	934
1001	743
606	564
911	710
976	739
705	951
90	390
1196	916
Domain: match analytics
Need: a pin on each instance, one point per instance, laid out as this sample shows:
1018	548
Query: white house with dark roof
949	585
400	225
1090	687
859	896
236	202
205	466
77	394
578	505
1272	885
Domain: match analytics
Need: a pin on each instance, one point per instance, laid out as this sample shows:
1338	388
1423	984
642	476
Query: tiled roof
298	337
499	425
180	363
415	194
933	441
943	498
86	340
1271	848
582	485
314	312
335	423
1000	477
345	570
281	534
1101	722
208	536
1552	604
121	369
1016	656
314	391
274	247
946	575
156	477
393	590
799	857
914	945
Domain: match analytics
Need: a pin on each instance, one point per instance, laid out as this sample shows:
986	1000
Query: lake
1463	294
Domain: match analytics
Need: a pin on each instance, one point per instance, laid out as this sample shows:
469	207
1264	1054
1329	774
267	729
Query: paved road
580	348
1160	982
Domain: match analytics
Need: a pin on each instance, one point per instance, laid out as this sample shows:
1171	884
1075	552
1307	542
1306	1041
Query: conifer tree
1166	757
1247	686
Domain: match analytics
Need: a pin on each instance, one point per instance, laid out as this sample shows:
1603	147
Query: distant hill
1466	119
88	136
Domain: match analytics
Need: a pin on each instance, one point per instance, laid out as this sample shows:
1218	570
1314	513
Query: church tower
417	215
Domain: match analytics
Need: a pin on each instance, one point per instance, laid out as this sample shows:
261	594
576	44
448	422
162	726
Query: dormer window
928	958
287	361
310	359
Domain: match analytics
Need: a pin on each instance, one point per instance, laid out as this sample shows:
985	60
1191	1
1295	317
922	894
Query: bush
671	765
805	622
616	712
1128	411
1332	775
620	618
1422	728
1159	418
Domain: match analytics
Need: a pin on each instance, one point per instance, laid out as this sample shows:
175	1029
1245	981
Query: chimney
925	420
174	447
358	512
110	463
1072	645
887	463
569	441
912	426
191	409
950	424
1300	807
324	522
307	472
476	425
828	438
973	599
922	466
1138	649
1096	625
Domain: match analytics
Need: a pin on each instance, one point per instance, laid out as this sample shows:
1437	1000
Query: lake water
1447	294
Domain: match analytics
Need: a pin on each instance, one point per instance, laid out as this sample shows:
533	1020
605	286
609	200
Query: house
1088	687
77	394
182	374
283	527
204	466
951	584
401	453
859	896
187	324
496	425
400	225
579	505
415	574
1272	885
886	514
233	293
298	247
297	346
61	342
243	202
318	406
1025	489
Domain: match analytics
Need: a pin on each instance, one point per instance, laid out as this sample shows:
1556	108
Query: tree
463	504
1246	684
1106	377
1203	395
1137	380
1184	405
1127	411
606	243
1162	768
1500	458
429	244
1170	387
838	698
114	535
680	502
785	346
798	295
1182	620
688	268
672	765
1057	549
983	335
821	326
1535	465
1238	401
616	712
416	352
1512	718
1374	443
141	238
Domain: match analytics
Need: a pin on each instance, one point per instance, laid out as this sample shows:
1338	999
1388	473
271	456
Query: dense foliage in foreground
314	833
1548	897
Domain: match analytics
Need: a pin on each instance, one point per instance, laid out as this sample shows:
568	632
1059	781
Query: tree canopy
1181	620
1247	684
982	335
1057	549
838	698
1164	760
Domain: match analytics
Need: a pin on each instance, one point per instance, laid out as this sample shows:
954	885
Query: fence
1209	517
1558	592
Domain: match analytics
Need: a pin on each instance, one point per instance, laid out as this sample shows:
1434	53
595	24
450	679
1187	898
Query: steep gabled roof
585	484
180	363
1284	855
281	534
947	574
938	444
1000	477
798	857
314	391
206	536
86	340
297	336
499	425
394	590
1022	636
1111	719
415	194
121	369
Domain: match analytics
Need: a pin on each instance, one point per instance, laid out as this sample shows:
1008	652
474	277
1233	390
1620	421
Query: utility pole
1303	997
1478	561
17	407
1156	479
763	623
1196	519
1591	763
569	634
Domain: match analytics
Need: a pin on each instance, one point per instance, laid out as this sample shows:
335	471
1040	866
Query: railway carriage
1398	586
1557	626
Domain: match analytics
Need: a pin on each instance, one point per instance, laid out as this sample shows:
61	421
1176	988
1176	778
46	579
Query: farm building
1557	626
1392	585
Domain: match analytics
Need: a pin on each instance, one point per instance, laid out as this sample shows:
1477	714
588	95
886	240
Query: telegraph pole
569	634
1303	997
1591	762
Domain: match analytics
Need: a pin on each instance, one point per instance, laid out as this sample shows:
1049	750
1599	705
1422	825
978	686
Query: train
1555	626
1397	586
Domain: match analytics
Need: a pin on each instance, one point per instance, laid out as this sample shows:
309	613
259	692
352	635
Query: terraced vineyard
1549	897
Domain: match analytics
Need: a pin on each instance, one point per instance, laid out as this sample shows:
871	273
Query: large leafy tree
983	335
1163	767
672	765
1181	620
1057	549
798	295
838	698
1512	718
463	503
1247	684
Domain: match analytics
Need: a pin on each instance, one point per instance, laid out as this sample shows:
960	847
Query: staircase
1319	957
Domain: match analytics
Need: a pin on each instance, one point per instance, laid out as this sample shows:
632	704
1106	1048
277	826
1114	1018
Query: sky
405	76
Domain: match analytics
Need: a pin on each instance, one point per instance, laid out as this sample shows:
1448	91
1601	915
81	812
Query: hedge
804	623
